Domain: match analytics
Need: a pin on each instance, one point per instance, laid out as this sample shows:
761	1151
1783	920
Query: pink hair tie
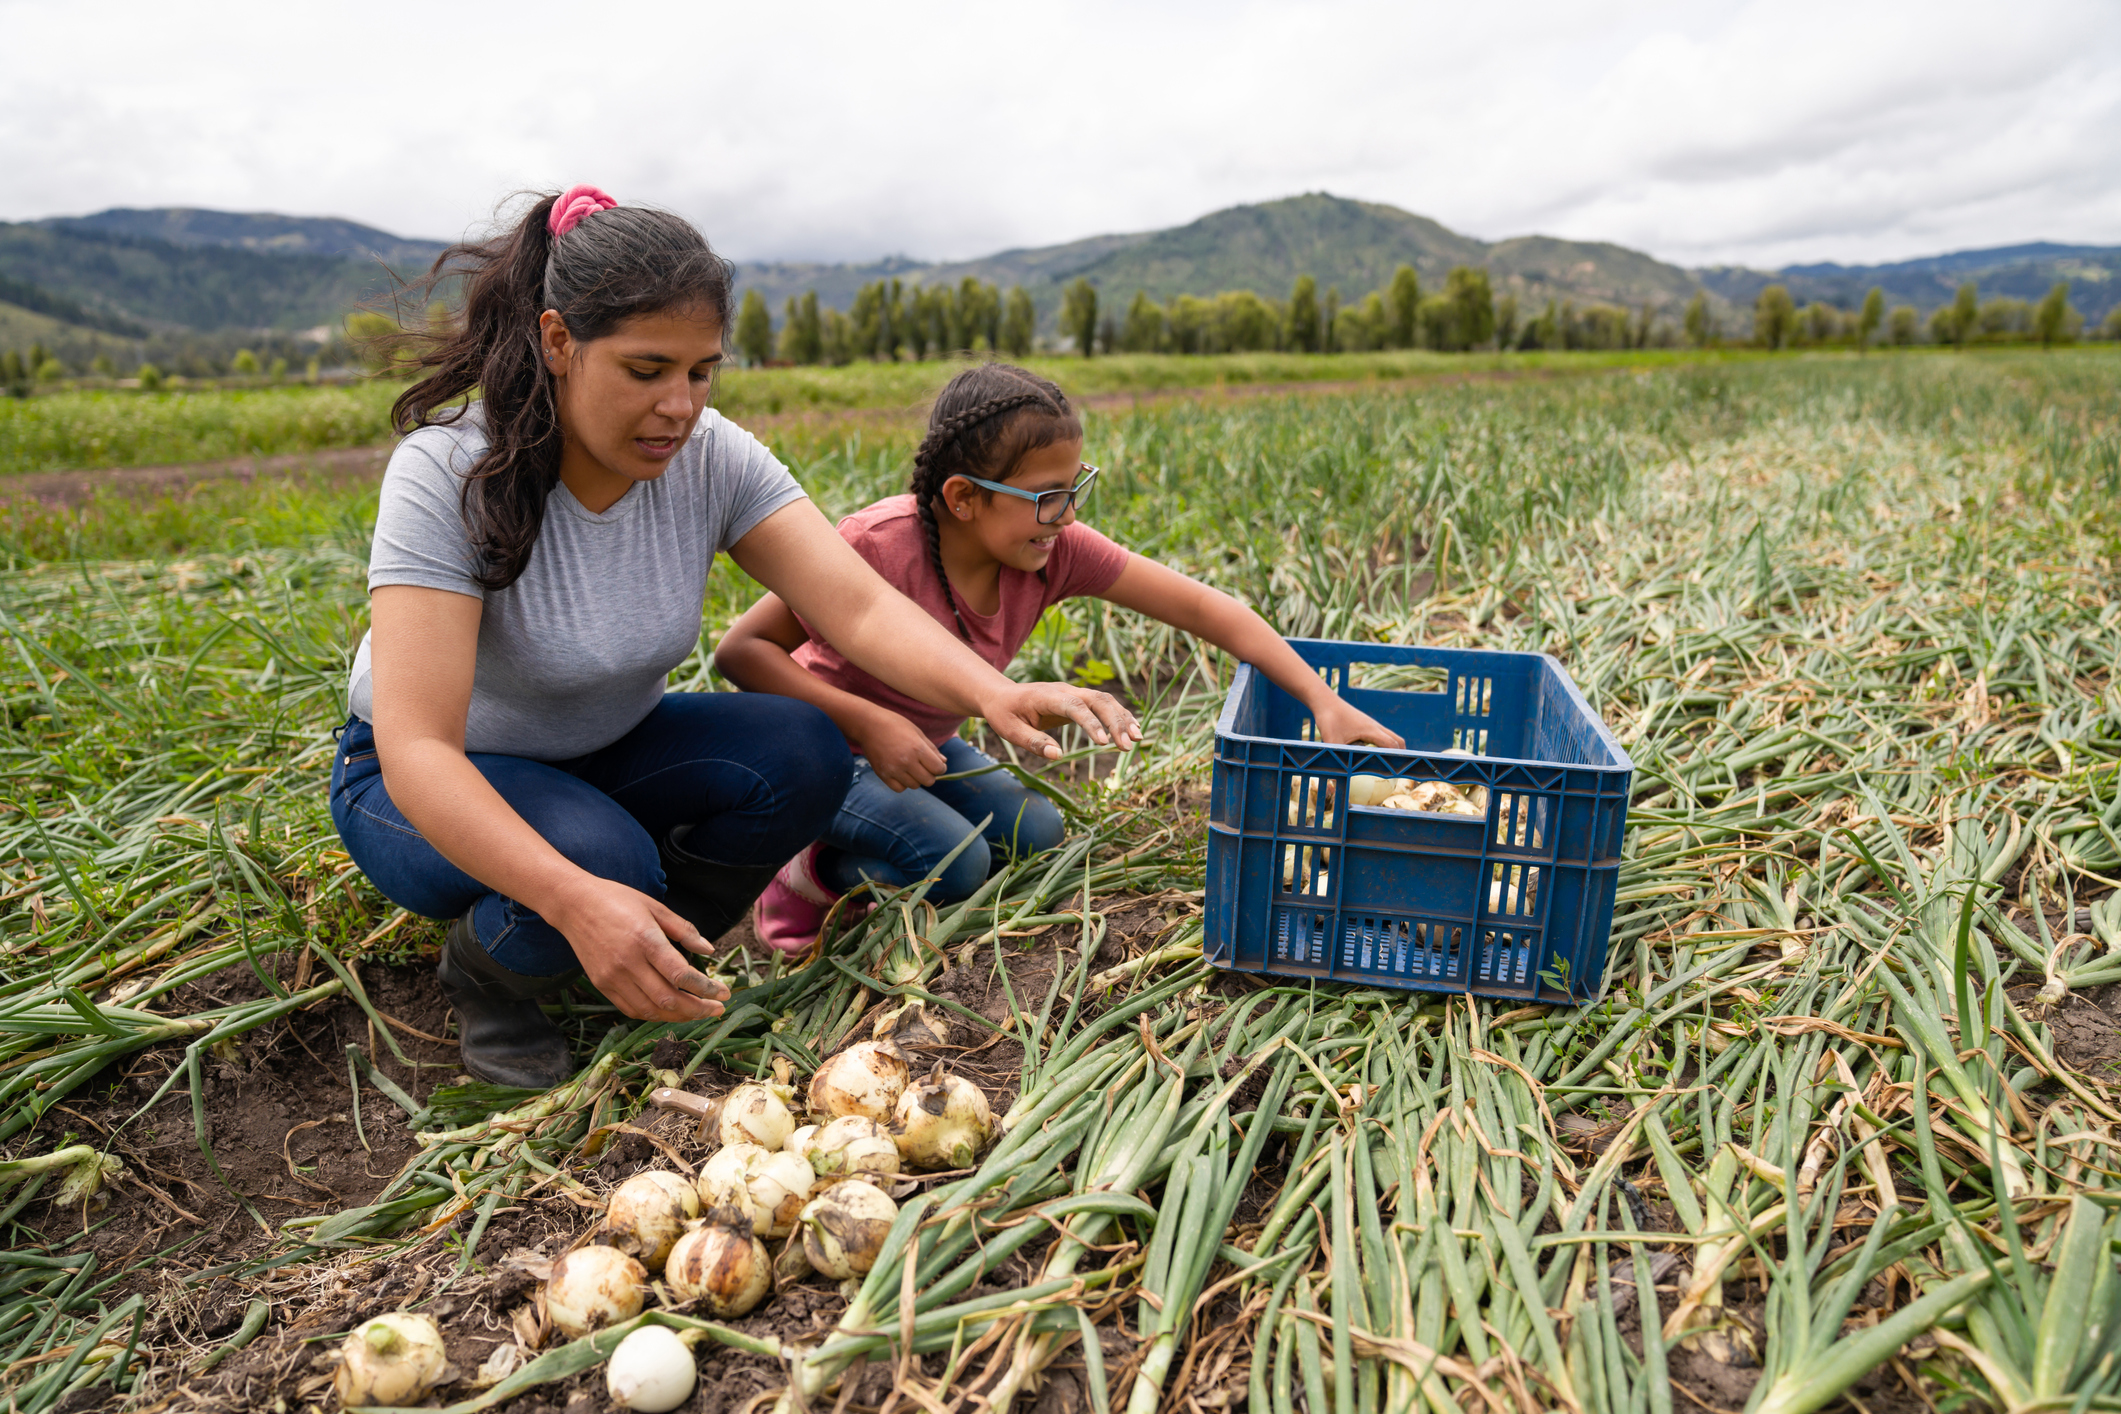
575	203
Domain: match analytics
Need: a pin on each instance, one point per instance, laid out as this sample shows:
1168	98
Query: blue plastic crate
1517	904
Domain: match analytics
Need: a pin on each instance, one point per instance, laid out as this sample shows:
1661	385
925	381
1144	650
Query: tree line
890	319
1968	319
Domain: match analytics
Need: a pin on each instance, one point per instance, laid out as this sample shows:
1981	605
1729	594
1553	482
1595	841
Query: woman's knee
623	854
962	877
1029	826
814	770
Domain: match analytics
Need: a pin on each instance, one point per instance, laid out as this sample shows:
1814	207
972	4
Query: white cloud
1742	131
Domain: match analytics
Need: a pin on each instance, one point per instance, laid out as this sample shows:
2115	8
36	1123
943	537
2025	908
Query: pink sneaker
788	915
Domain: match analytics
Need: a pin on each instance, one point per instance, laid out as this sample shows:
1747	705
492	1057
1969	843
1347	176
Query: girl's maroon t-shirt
888	535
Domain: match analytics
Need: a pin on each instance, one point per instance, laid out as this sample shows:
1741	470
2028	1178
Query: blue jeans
755	777
899	837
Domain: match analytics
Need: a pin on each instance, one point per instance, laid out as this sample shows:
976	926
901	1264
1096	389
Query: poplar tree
1966	313
1079	315
1329	321
1868	319
1404	300
1699	330
1303	315
1144	329
2051	319
754	329
1019	324
1472	303
1774	313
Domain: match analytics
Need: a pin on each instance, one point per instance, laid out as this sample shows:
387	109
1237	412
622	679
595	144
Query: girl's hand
1017	709
900	754
1342	725
624	941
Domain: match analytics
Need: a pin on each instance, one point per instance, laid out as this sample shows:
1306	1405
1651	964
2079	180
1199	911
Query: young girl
986	541
512	761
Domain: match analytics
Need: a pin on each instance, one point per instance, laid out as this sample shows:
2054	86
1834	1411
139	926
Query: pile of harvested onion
823	1189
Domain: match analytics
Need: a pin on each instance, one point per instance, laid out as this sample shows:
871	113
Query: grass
1855	621
64	431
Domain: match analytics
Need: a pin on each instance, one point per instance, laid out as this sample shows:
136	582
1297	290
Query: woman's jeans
899	837
755	777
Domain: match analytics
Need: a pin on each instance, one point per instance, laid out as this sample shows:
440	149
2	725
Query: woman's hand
1017	708
1342	725
624	940
898	751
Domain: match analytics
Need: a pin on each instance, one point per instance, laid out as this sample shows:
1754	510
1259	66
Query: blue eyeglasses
1052	505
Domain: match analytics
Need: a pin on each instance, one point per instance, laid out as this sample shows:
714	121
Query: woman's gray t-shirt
575	653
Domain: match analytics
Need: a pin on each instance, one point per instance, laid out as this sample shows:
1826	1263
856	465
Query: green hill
1354	245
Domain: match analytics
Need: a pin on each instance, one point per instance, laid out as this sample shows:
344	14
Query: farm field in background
85	428
1843	1127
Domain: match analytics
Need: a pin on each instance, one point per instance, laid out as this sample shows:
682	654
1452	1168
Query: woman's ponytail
607	266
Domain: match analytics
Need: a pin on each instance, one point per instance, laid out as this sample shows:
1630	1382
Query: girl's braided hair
984	423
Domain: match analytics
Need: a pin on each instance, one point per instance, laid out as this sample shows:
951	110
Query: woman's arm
423	644
1164	593
755	655
797	554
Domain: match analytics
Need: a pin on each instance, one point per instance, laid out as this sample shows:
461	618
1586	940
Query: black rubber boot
506	1037
711	897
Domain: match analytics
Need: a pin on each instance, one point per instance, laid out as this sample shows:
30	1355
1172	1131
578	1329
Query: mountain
187	274
1352	245
129	272
2025	272
263	231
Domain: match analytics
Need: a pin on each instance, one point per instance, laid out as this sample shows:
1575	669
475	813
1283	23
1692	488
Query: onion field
1843	1132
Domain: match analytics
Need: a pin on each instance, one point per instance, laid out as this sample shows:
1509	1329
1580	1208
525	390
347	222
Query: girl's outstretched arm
756	655
796	553
1163	593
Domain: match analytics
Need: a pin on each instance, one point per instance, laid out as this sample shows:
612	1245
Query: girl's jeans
899	837
756	777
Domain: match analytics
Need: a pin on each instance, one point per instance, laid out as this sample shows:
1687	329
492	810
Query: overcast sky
1760	132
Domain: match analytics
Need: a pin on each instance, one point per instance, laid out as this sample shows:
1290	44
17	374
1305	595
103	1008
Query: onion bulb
753	1114
853	1146
647	1214
594	1287
865	1079
771	1188
720	1264
393	1359
652	1370
943	1122
727	1166
799	1142
845	1226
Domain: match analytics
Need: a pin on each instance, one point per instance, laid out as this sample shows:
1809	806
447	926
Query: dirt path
340	465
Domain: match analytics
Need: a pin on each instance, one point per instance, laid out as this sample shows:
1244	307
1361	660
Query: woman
512	761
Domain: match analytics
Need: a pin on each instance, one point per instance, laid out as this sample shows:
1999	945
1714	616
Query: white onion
753	1114
720	1264
865	1079
727	1166
943	1122
844	1228
393	1359
799	1141
594	1287
648	1212
853	1146
652	1370
771	1188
